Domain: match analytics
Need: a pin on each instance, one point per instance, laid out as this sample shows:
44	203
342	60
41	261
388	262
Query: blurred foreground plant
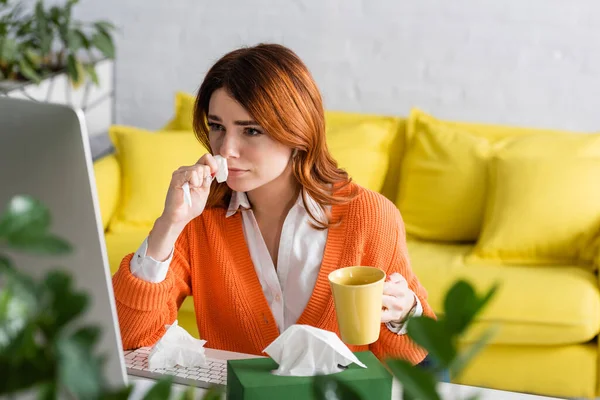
41	351
440	338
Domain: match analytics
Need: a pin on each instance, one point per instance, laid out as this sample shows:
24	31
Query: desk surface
447	390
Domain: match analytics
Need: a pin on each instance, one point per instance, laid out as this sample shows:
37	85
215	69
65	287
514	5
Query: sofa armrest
108	185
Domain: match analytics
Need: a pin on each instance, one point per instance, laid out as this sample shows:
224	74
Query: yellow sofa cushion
147	162
183	117
107	173
569	371
360	144
544	202
443	180
546	305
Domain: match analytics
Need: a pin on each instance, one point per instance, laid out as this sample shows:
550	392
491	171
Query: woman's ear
294	153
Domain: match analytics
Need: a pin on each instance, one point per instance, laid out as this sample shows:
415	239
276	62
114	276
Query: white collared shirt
288	287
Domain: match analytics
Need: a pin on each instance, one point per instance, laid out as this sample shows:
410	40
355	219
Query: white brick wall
522	62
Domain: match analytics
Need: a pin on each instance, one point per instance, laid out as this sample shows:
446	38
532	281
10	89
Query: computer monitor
45	153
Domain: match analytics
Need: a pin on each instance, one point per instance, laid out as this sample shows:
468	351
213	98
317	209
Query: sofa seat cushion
542	305
119	244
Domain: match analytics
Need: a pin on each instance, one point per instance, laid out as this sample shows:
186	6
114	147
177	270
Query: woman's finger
389	315
391	303
396	277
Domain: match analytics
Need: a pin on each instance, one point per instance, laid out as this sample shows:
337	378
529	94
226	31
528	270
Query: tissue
303	350
177	347
222	171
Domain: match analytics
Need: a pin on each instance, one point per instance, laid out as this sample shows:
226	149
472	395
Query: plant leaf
73	69
213	393
103	42
328	387
78	370
28	72
24	213
43	30
39	244
431	335
119	394
85	41
105	26
91	71
189	394
161	389
463	358
418	383
462	305
61	302
8	50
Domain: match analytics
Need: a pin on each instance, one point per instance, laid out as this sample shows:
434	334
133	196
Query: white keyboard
214	373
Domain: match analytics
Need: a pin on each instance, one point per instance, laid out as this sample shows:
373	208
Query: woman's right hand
199	177
177	213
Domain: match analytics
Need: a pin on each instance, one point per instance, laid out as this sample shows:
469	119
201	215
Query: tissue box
252	379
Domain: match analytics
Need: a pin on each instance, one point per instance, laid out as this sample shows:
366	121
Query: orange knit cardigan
211	262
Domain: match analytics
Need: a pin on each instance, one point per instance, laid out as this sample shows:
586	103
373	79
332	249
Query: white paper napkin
177	347
303	350
222	171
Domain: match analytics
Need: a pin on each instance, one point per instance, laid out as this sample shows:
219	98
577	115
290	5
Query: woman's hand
398	299
199	177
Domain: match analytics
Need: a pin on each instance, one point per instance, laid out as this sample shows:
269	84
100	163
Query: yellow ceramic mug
357	294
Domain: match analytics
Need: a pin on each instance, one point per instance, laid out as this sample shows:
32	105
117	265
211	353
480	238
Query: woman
255	252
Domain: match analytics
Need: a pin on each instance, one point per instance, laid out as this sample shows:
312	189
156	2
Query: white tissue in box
303	350
177	347
222	171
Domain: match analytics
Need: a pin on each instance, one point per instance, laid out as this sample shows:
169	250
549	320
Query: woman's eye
215	127
252	132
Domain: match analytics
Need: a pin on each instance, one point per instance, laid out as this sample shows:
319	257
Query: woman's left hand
398	299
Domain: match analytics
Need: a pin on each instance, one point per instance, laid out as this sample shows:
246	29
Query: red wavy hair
277	90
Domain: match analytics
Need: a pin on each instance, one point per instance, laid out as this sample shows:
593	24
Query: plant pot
96	101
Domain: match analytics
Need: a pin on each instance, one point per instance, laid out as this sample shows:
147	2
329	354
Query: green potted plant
40	41
40	351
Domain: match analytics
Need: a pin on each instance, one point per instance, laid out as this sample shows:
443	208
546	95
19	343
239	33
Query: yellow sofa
476	207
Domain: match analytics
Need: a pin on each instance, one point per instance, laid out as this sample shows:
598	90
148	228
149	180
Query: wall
530	63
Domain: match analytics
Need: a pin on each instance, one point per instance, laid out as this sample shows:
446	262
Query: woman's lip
236	170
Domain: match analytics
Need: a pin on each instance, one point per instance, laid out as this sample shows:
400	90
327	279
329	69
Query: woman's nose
229	146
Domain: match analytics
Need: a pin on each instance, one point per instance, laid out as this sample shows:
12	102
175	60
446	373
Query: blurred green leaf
28	71
212	393
431	335
328	387
85	41
47	391
419	384
189	394
39	244
464	357
78	371
24	213
103	42
105	26
461	305
72	68
91	71
161	389
43	29
120	394
8	50
62	302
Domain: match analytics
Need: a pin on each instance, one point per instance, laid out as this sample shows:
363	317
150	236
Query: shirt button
278	298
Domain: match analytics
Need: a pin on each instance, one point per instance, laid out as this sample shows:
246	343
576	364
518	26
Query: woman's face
253	158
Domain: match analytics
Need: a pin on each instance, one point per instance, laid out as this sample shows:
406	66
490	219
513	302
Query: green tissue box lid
251	379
